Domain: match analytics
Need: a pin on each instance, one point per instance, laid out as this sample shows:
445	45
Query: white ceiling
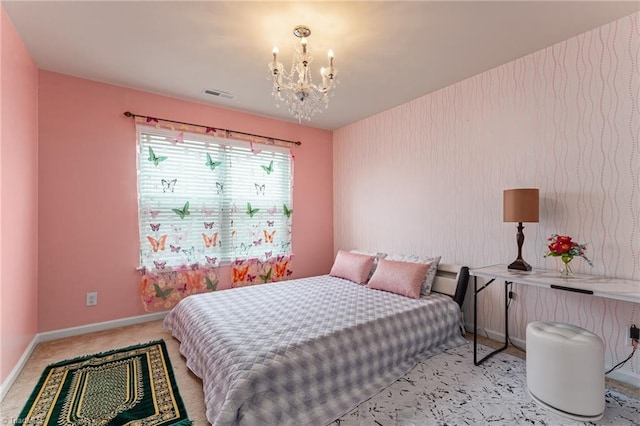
387	52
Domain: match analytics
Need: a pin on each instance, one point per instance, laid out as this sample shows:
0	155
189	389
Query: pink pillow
351	266
403	278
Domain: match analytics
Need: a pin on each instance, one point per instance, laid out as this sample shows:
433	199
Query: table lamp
521	205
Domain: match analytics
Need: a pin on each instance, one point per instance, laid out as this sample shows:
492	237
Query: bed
309	350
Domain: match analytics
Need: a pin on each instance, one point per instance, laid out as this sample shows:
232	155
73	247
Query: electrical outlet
92	298
631	333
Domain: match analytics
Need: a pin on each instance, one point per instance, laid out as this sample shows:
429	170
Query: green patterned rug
132	386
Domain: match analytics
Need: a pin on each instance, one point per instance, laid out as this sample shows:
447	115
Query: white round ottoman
565	369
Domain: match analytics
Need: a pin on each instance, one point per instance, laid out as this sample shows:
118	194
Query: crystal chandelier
296	87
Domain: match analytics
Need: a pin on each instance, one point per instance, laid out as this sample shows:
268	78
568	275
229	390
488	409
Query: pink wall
19	197
565	120
88	238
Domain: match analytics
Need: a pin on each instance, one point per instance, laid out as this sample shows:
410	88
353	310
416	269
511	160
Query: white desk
610	288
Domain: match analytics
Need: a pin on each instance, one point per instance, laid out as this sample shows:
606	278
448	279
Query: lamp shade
521	205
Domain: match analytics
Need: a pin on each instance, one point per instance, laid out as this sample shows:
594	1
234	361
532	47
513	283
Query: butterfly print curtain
205	202
254	271
163	289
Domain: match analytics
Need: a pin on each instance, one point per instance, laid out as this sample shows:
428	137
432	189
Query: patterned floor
448	390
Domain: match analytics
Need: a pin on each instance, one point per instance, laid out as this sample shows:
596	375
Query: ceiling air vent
219	94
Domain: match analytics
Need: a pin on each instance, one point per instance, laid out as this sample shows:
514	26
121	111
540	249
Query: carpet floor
445	389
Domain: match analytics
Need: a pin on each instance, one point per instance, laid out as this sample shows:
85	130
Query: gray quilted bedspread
305	352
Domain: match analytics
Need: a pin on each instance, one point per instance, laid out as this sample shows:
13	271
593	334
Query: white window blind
210	200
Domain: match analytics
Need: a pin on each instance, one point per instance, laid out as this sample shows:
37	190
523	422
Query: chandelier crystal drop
296	88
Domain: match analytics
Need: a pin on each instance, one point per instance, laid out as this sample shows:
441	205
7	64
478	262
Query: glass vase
566	271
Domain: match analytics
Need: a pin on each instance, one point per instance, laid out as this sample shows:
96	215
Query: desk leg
475	321
506	314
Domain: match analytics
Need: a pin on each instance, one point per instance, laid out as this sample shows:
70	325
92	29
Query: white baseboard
619	375
6	384
624	376
69	332
99	326
494	335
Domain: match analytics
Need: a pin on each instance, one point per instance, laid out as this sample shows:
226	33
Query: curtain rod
156	119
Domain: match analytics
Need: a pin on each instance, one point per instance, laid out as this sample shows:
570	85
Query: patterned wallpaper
427	177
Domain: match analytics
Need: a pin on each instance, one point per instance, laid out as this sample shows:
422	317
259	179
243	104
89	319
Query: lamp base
520	265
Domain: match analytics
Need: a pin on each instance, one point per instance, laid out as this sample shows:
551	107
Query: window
211	200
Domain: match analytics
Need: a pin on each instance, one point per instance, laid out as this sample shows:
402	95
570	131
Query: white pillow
431	273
